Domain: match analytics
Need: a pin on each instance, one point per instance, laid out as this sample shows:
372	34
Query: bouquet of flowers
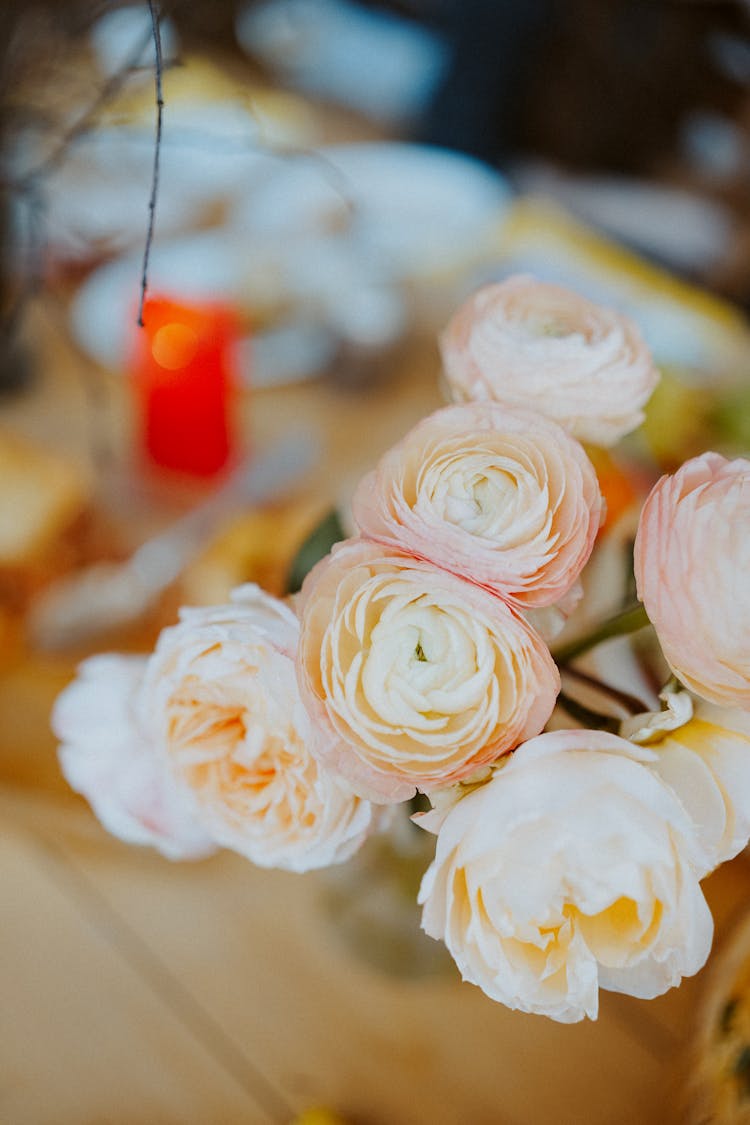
422	657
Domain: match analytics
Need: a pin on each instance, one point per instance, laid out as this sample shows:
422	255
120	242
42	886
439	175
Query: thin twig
83	124
585	715
628	702
153	9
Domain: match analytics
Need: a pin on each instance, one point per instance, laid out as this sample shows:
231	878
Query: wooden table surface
138	992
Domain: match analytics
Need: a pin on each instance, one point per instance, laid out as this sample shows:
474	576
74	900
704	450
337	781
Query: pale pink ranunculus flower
531	344
418	677
222	691
574	868
108	754
500	496
703	752
692	562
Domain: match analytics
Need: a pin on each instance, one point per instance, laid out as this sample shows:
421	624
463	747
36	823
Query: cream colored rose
500	496
108	755
222	689
703	752
574	868
692	561
531	344
421	676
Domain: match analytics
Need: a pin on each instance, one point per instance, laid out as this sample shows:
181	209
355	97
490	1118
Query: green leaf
315	547
629	620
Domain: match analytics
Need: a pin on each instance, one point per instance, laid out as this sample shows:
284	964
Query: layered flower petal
575	867
222	690
109	755
528	343
692	560
500	496
417	676
703	752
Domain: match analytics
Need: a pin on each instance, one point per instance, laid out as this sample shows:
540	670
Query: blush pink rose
692	562
108	754
500	496
418	677
222	693
531	344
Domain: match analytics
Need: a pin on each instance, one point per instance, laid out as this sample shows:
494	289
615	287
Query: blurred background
333	177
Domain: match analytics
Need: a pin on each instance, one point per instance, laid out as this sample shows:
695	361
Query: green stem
628	621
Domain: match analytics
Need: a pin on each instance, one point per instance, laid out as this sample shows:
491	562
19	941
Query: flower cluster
416	659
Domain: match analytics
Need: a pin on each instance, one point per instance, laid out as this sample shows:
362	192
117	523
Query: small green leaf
315	547
731	419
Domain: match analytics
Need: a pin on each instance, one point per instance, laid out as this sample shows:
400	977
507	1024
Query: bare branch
88	118
155	16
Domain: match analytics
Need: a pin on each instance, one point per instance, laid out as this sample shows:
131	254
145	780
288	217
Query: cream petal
575	867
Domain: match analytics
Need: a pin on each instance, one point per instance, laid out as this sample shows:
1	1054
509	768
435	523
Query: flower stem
628	621
631	703
591	719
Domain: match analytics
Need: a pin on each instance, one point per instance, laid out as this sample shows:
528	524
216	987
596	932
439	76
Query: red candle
183	380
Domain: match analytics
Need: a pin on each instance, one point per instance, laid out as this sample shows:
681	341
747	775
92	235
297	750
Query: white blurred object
108	596
370	317
98	199
204	267
330	242
714	145
290	353
410	210
211	266
218	137
681	229
116	36
372	61
731	54
333	238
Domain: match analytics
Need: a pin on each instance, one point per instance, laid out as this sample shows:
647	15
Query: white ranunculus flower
222	691
416	677
501	496
574	868
528	343
108	754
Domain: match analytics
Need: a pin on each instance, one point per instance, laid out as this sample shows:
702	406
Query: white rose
108	755
574	868
222	690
